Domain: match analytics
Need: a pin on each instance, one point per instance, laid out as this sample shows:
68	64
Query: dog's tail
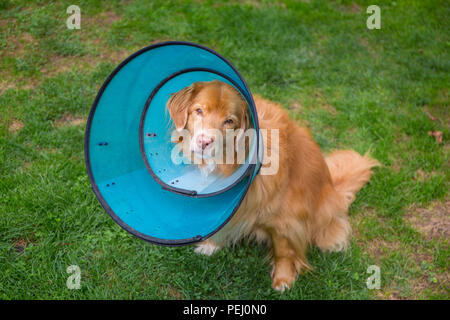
349	171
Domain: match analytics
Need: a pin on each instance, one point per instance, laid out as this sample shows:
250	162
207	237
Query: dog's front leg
283	272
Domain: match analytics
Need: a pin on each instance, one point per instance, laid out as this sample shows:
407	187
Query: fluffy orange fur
305	203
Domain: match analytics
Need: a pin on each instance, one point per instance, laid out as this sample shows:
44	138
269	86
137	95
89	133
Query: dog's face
207	110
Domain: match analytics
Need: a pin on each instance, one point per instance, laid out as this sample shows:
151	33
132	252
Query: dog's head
208	110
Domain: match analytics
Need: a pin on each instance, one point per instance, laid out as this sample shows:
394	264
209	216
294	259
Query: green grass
358	88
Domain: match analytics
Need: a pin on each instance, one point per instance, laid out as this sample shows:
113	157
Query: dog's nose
204	141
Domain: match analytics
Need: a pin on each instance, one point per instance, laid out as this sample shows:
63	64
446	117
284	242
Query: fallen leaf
437	135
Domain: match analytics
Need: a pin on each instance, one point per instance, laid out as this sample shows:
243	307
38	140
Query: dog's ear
245	123
179	103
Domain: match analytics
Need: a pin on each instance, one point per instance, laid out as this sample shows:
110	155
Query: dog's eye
229	121
199	111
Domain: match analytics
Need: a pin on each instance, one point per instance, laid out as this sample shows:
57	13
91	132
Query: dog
304	203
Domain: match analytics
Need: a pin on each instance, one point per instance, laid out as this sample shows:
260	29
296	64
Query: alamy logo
374	281
374	20
74	280
74	21
226	149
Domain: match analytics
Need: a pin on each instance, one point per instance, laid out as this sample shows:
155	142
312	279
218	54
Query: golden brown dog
304	203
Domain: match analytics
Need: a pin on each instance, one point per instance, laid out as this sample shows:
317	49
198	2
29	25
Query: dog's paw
282	282
207	248
281	286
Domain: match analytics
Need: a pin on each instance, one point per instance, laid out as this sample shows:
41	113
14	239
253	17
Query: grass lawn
383	90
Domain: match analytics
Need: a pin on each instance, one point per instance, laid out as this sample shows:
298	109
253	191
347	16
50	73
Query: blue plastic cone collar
127	148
